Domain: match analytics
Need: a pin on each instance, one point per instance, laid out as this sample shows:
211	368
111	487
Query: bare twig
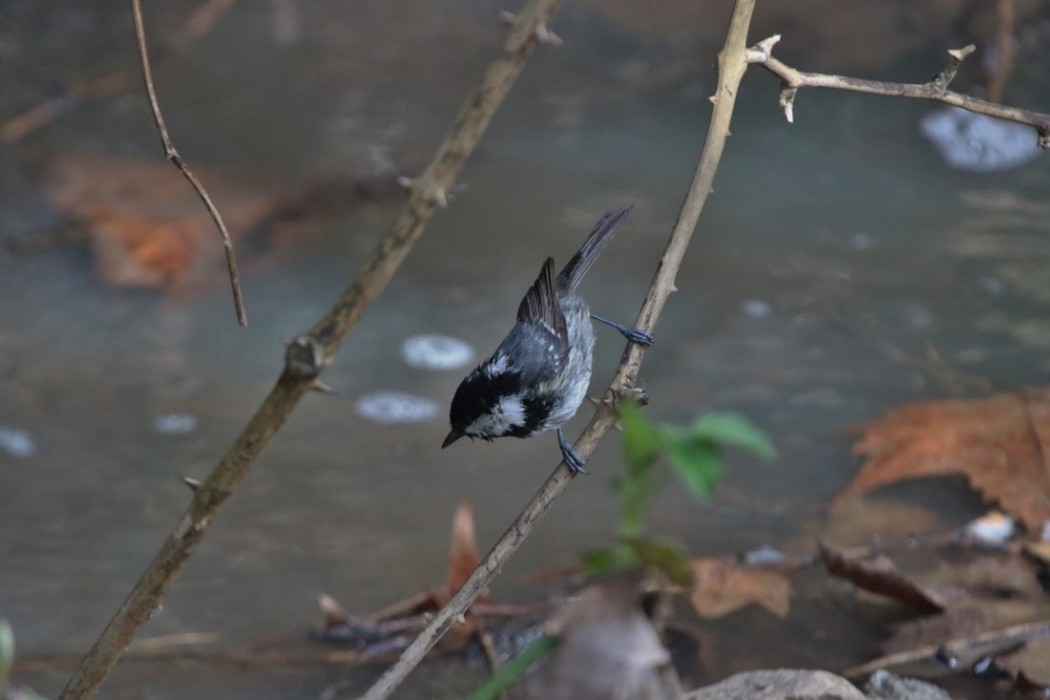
935	90
1013	634
21	125
732	64
176	159
308	355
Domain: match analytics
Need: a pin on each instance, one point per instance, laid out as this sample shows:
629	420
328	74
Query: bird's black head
487	404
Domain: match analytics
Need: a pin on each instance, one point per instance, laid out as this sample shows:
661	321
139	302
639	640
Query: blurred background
875	252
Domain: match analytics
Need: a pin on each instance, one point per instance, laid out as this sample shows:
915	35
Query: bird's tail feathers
600	235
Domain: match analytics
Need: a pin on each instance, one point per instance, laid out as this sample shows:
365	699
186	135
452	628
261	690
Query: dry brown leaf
463	551
875	572
723	585
146	225
137	251
990	602
334	612
1000	444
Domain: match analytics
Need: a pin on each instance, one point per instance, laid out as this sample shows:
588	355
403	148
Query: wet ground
834	251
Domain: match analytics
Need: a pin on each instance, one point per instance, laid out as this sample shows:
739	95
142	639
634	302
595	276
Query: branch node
946	76
305	358
1044	137
763	50
787	101
545	36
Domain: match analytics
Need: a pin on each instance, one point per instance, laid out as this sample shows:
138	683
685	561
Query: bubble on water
395	407
992	285
764	555
436	352
17	442
979	143
175	424
863	242
755	308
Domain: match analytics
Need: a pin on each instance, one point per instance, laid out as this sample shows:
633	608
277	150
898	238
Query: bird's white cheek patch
508	413
512	410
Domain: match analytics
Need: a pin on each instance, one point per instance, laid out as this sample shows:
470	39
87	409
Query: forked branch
936	90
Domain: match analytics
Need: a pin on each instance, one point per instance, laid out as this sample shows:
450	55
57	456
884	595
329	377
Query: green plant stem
516	667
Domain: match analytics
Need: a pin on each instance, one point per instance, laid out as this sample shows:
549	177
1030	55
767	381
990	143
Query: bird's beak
453	435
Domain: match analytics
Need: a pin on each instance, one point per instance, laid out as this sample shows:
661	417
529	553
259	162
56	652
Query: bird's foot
572	460
632	334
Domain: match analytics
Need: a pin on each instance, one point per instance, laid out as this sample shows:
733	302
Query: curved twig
732	64
936	90
307	355
178	162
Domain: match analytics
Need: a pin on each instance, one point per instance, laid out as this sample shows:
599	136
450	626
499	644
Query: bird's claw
632	334
572	460
636	336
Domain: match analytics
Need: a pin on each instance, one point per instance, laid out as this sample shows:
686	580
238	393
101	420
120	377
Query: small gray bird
538	376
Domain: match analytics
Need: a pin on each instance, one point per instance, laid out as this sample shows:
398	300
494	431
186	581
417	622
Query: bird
538	376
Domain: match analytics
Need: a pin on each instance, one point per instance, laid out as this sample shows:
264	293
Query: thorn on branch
194	484
787	102
545	36
406	183
632	393
508	17
946	76
321	388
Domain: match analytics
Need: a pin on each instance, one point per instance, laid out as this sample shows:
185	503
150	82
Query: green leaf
732	429
668	558
699	463
641	439
599	561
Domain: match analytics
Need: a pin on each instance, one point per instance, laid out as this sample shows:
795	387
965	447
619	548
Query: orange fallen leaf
463	550
1000	444
146	225
723	585
137	251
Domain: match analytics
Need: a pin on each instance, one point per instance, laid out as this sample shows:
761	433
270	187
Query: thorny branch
308	355
936	90
176	159
732	63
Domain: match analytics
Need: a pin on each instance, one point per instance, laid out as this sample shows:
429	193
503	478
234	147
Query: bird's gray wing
542	316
